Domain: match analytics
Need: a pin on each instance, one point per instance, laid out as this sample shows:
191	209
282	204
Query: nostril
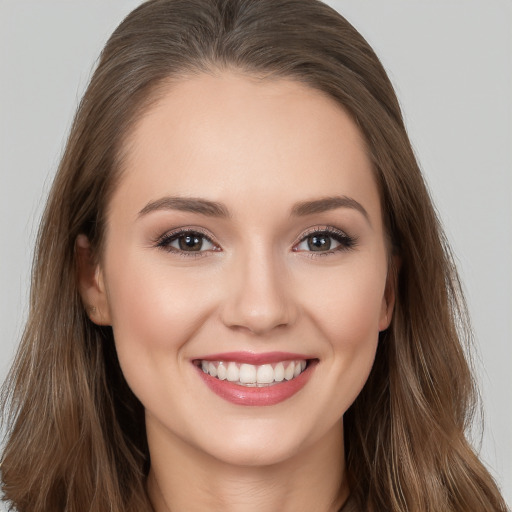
256	299
240	317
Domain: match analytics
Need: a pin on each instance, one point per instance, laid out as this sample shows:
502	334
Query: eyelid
175	233
347	242
322	229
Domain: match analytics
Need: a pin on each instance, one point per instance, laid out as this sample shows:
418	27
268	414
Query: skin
258	148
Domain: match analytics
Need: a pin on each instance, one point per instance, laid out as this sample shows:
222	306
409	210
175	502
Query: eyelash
164	242
346	242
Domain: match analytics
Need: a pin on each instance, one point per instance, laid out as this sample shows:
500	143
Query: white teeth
288	373
222	371
279	372
251	375
212	369
247	374
265	374
233	374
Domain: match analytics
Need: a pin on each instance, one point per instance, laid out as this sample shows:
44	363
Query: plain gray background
451	64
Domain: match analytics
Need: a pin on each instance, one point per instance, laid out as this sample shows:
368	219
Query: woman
242	299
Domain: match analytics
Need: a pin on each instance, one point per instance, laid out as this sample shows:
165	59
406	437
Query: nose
258	295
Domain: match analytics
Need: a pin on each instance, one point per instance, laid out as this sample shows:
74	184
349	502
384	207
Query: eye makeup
188	242
195	242
324	240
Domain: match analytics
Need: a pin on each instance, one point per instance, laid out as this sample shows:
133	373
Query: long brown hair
76	438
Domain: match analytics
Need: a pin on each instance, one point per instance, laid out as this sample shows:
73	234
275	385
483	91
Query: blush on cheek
351	313
157	304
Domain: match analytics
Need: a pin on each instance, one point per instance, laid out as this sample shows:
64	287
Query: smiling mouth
249	375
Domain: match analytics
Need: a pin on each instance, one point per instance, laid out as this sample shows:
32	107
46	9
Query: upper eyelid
184	230
163	242
322	229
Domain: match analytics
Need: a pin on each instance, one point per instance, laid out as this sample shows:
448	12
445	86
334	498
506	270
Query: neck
183	479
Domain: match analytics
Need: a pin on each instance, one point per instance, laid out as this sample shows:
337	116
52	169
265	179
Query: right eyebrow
186	204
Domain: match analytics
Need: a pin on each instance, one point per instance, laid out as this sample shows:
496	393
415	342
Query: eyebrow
328	203
215	209
187	204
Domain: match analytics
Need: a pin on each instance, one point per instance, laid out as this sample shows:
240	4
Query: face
245	266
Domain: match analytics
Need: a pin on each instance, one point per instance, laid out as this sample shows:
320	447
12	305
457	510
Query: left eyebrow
326	204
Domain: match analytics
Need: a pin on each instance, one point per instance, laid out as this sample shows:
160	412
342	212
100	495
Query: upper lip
254	358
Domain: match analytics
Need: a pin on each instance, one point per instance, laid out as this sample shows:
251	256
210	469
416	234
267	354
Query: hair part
76	434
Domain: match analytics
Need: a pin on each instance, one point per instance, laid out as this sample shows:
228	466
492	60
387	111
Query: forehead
230	136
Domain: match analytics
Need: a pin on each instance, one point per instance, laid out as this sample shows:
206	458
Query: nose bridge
257	295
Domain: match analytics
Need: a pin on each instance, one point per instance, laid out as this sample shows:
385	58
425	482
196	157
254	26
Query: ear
91	284
388	300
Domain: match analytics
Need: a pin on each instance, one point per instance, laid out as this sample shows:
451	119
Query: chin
250	455
260	444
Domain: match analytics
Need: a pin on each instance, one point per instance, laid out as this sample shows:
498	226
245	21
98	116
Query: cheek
155	309
347	311
348	308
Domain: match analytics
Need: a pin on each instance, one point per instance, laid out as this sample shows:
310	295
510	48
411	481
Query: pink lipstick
247	378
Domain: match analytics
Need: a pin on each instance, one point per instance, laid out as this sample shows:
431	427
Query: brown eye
187	241
190	242
320	242
325	241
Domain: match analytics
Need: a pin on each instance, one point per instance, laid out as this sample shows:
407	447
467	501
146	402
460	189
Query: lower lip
267	395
